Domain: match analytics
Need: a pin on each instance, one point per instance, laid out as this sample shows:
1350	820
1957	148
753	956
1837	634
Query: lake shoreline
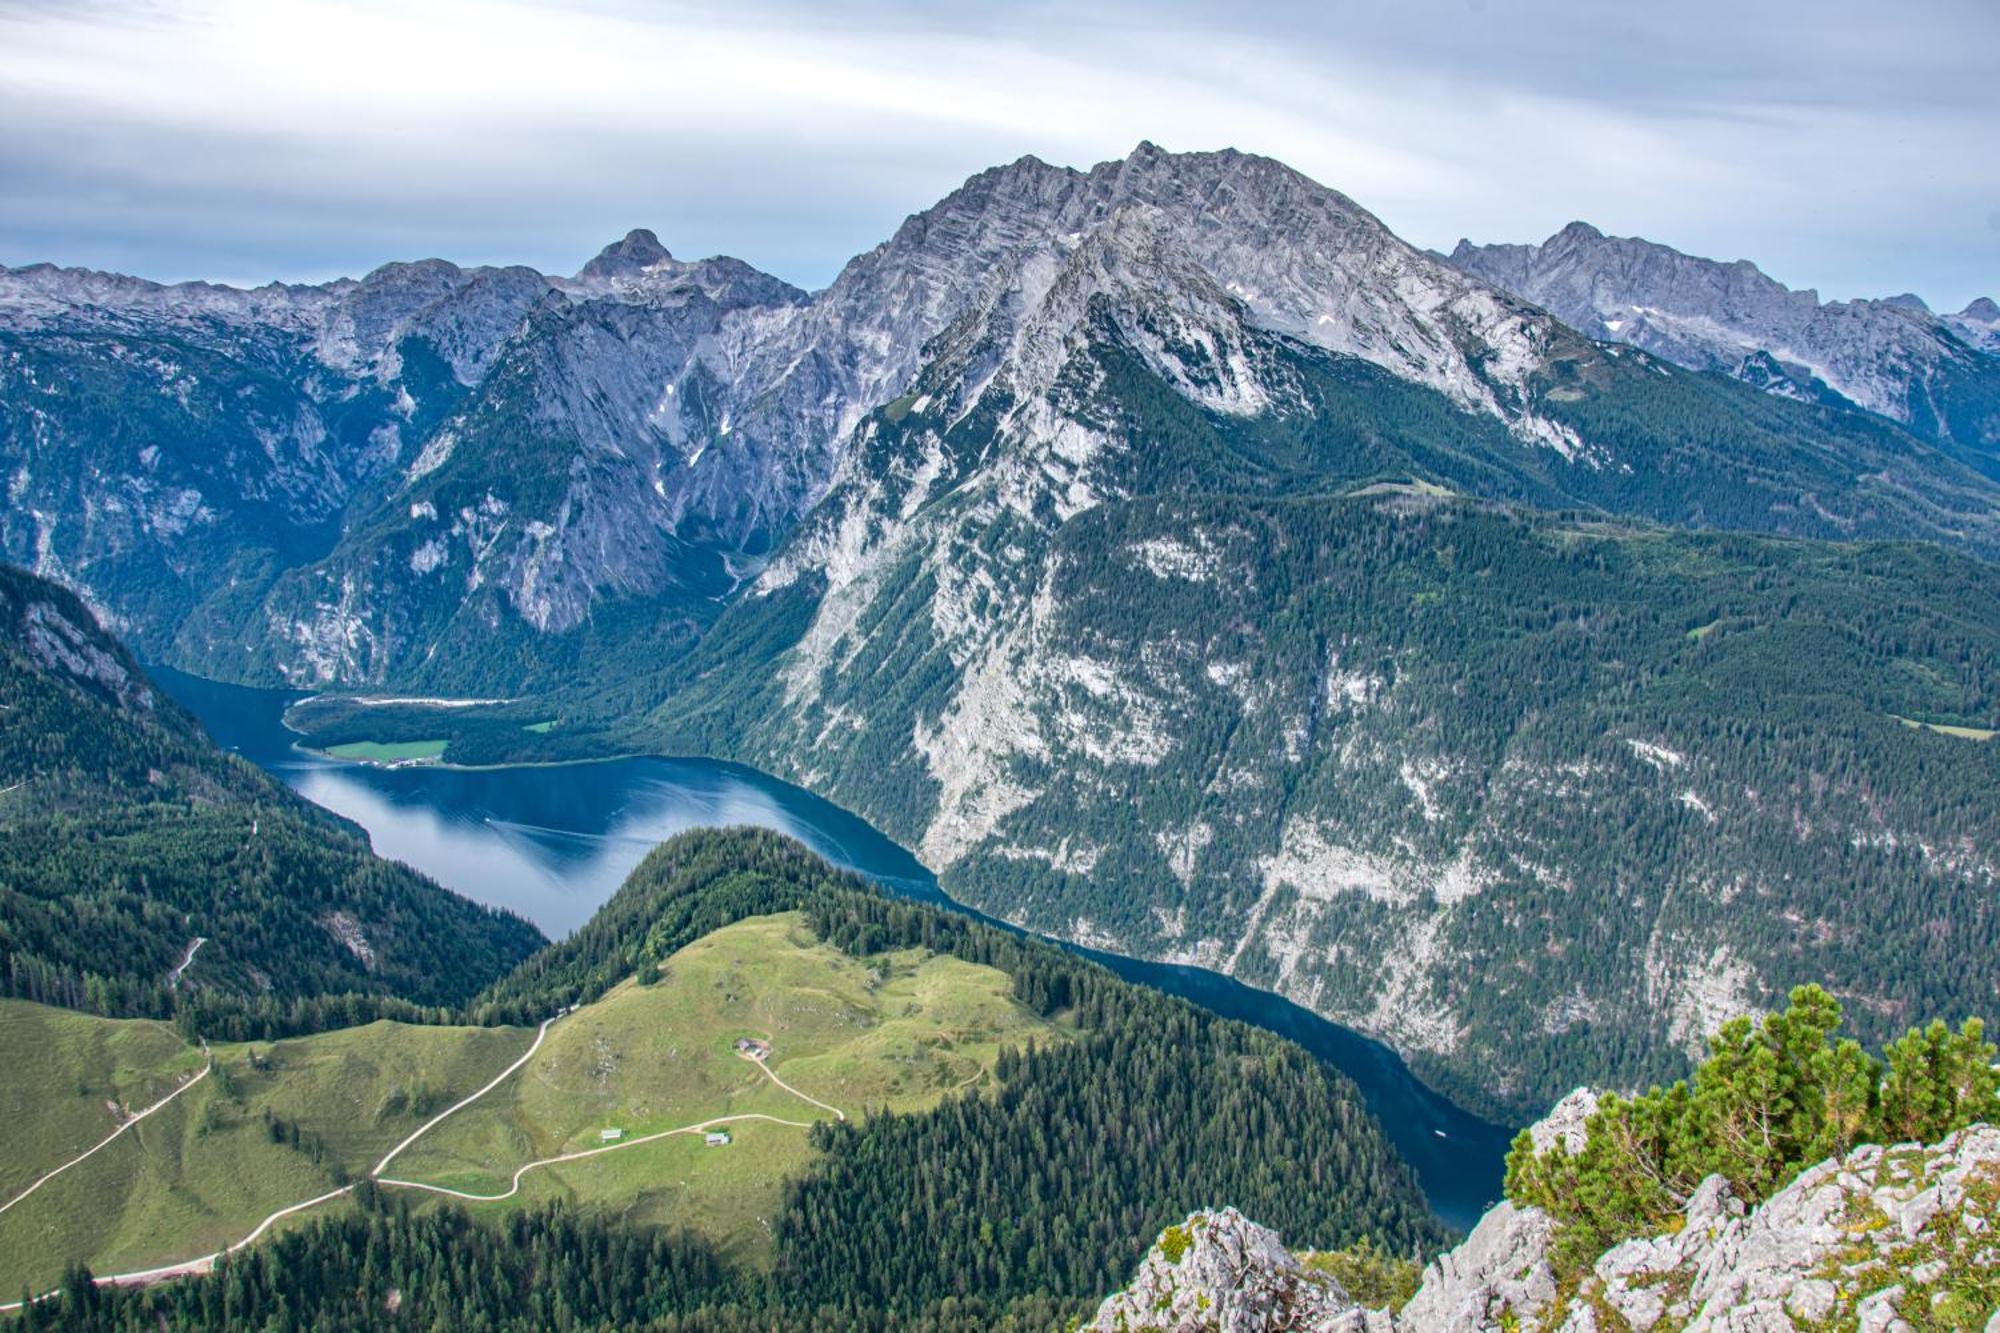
553	848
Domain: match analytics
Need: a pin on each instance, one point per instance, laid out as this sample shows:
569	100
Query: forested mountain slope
142	870
1123	540
1531	797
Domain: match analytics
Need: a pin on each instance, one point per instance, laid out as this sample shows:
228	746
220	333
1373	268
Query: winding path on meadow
452	1110
514	1187
758	1060
105	1143
193	1267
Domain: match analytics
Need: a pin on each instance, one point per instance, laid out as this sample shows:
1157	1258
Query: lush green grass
899	1030
1123	1106
204	1170
541	728
388	752
68	1071
361	1090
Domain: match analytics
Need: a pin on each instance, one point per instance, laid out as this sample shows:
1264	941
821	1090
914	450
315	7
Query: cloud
248	139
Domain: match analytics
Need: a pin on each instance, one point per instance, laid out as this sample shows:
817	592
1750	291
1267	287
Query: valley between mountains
1531	657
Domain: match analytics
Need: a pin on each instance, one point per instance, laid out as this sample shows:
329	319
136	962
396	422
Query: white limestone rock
1861	1239
1565	1123
1500	1272
1219	1272
1875	1241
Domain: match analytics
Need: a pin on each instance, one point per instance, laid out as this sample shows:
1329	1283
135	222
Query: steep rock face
1302	260
156	468
61	644
172	451
1316	742
1290	739
169	449
1884	1239
1891	357
464	315
578	472
1500	1272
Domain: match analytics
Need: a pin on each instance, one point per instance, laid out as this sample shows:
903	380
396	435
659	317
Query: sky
1849	147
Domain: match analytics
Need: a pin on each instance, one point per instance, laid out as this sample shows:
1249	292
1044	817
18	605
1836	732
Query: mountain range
366	482
1934	374
1529	656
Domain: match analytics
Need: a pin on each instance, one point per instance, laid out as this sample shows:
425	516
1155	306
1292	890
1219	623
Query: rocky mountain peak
1979	325
640	269
639	250
1892	357
1303	260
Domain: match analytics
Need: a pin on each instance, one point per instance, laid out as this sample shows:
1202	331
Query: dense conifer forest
1577	758
1772	1098
128	837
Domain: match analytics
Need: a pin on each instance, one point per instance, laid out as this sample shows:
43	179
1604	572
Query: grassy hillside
126	836
89	1073
899	1030
203	1170
1014	1116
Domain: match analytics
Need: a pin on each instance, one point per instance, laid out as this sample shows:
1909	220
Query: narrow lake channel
552	843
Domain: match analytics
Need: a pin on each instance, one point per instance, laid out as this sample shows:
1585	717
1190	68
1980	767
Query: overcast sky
1852	147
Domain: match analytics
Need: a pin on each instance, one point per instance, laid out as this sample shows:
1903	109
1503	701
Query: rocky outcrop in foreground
1884	1240
1220	1270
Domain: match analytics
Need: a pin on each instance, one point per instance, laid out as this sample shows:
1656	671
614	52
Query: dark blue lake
552	843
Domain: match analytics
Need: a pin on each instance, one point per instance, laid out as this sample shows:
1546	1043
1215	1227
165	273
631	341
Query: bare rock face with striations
690	412
1063	359
287	436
